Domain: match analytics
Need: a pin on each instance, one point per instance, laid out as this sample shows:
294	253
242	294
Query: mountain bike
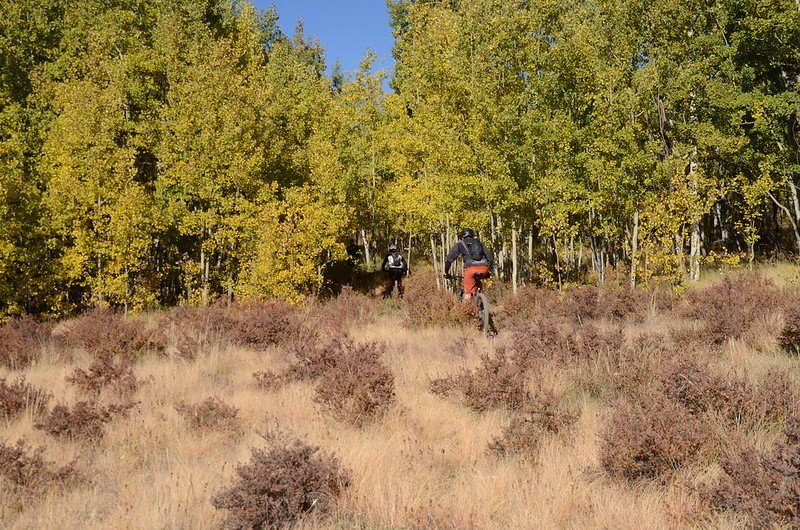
479	299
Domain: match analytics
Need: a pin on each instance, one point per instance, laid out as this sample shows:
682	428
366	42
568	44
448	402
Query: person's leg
388	286
400	288
469	283
472	279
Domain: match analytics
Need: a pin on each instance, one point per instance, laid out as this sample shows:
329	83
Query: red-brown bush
86	420
789	338
21	341
348	309
777	397
650	438
763	486
581	303
525	433
545	338
210	414
428	305
542	339
255	324
193	330
106	334
591	341
18	396
726	308
280	485
26	474
626	305
529	303
628	371
312	358
264	324
358	388
105	373
498	382
700	390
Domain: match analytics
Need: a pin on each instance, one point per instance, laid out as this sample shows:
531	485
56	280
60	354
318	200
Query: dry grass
425	463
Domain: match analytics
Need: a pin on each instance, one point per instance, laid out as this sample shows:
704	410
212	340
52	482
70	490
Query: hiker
395	267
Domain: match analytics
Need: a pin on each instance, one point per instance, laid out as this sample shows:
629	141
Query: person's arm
385	262
451	257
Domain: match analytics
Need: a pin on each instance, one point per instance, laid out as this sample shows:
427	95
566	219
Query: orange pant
473	276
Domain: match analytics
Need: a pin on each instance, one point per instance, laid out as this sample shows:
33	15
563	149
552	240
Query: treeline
156	152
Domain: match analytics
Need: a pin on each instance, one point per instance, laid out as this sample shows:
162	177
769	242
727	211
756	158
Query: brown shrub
700	390
86	420
763	486
270	380
591	341
650	438
785	461
626	305
429	306
255	324
193	329
524	434
280	485
529	303
27	474
777	397
358	387
348	309
692	337
312	358
21	341
106	335
498	382
263	324
105	373
581	303
630	370
545	338
211	414
789	339
18	396
726	308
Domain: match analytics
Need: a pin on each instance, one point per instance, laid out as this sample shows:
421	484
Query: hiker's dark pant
391	278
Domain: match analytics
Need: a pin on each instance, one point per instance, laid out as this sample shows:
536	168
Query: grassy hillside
589	409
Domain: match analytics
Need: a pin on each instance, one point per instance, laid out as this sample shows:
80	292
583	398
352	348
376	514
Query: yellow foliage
297	237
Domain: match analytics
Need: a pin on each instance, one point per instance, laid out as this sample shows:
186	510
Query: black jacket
460	249
385	265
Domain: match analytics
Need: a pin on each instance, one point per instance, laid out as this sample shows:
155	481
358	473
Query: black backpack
474	248
396	261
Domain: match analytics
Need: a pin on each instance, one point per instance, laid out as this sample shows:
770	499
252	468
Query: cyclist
478	261
395	267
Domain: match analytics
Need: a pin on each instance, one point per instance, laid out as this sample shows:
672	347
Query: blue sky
345	28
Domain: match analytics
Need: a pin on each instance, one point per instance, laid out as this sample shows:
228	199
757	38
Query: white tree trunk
634	248
435	263
514	266
694	253
367	260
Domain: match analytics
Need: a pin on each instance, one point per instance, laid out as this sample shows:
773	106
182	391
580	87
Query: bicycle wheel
484	312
